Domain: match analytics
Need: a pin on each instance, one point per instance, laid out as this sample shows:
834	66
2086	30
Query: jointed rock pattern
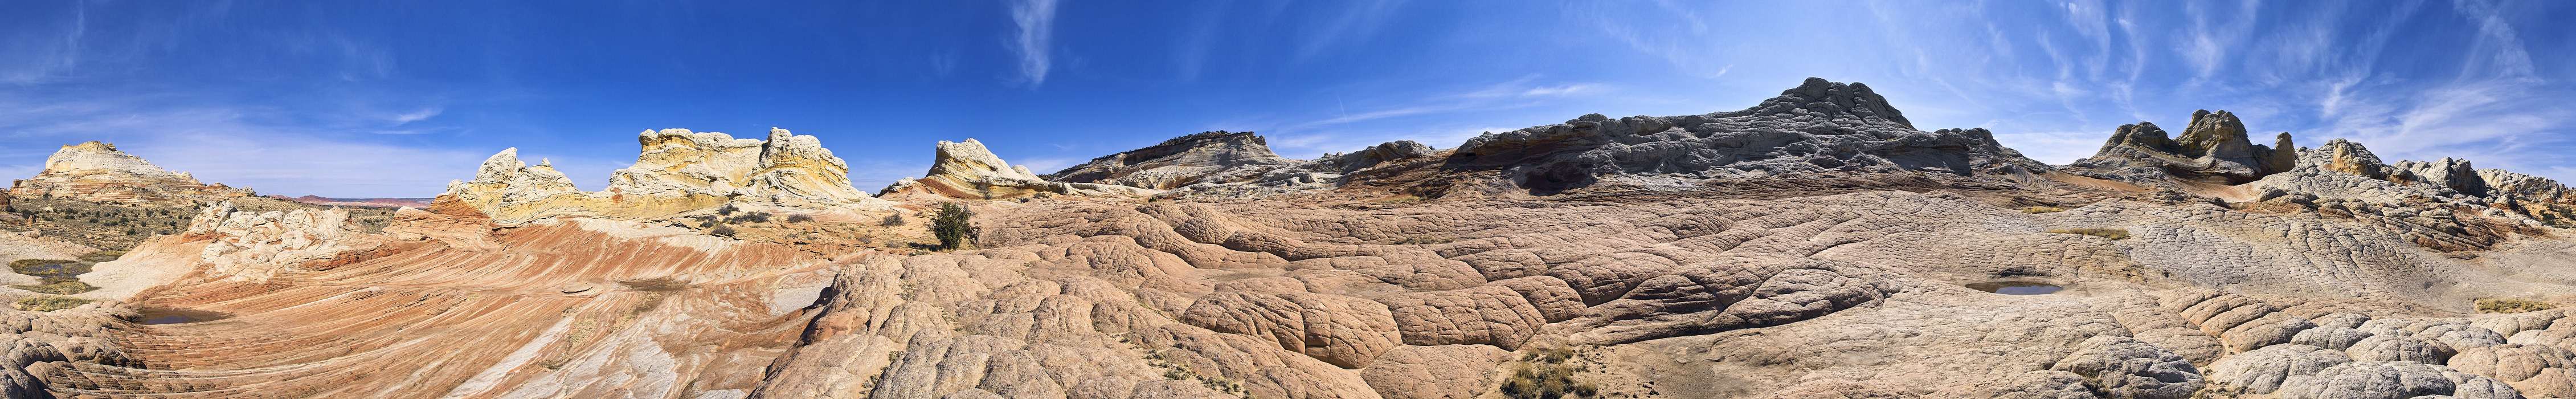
1816	245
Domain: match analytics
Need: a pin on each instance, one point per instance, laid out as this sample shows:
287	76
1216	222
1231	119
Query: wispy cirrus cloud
1032	40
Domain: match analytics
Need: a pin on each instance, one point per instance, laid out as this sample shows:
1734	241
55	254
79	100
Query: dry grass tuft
2104	233
2042	209
48	303
2512	305
1544	374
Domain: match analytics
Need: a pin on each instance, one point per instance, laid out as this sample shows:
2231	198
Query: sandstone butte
96	171
1815	245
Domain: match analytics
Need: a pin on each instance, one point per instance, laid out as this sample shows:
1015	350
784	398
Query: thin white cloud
416	116
1035	20
1355	23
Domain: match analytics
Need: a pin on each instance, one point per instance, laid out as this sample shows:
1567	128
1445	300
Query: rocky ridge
1817	127
969	171
678	172
97	171
2214	147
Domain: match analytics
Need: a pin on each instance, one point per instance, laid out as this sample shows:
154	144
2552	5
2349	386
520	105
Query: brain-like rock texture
1814	246
2392	380
97	171
2121	367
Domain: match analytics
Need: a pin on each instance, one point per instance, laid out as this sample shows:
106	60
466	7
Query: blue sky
369	99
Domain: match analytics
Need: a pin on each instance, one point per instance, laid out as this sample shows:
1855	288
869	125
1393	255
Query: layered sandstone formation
678	172
96	171
969	171
1817	127
1178	162
2213	148
1814	246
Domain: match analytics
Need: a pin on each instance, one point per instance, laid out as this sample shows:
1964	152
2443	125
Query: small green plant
952	226
750	217
2512	305
2114	234
2042	209
48	303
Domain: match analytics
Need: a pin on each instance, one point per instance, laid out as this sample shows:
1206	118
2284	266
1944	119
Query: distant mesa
97	171
363	202
967	170
677	172
1180	161
1819	126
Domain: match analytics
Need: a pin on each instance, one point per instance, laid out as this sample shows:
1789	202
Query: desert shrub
1544	374
2104	233
48	303
2042	209
722	230
2512	305
891	220
800	218
58	287
951	224
751	217
728	209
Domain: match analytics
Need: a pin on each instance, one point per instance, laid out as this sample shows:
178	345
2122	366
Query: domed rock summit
97	171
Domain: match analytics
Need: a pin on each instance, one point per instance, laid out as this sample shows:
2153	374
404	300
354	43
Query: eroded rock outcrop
679	171
97	171
967	170
2213	147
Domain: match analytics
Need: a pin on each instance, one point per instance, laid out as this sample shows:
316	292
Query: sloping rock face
969	171
454	306
2213	148
678	172
1178	162
1819	126
96	171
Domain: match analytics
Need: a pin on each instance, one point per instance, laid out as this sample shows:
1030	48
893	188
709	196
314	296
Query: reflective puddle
2016	287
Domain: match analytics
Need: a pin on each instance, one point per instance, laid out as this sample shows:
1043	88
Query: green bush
951	224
